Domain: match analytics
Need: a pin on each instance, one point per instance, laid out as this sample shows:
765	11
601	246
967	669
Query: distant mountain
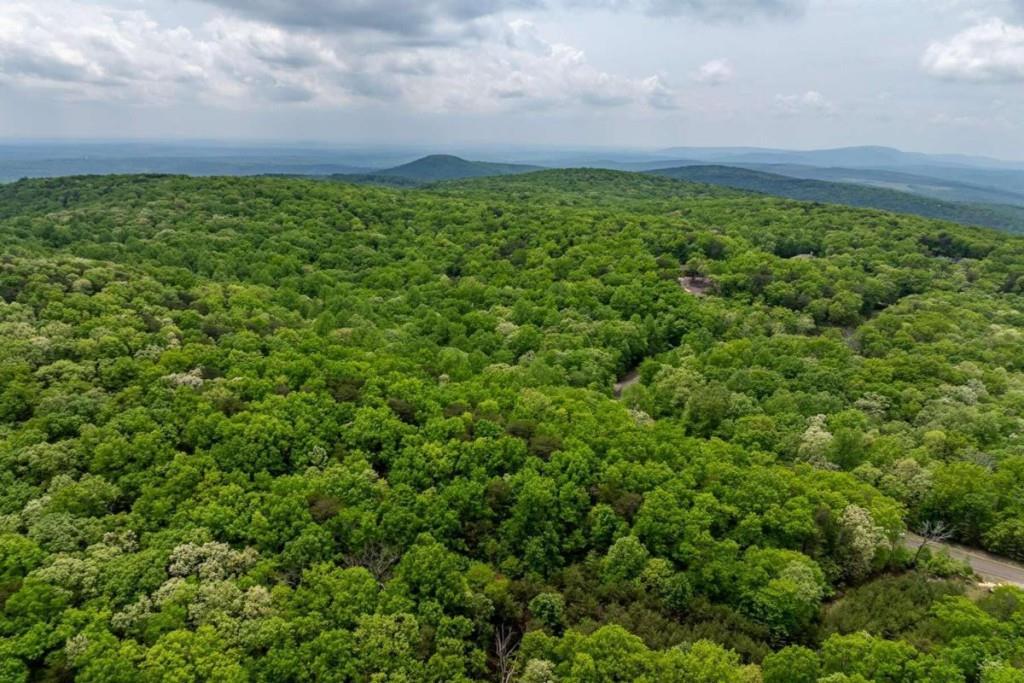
847	157
1001	216
13	169
936	187
32	159
435	168
951	178
992	187
949	184
612	164
1008	179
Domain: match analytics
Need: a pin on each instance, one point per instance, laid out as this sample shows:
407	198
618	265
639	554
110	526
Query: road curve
990	568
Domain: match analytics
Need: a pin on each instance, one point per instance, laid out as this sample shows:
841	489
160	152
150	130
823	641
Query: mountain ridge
866	156
1002	216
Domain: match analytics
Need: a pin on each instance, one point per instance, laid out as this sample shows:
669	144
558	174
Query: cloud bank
439	21
97	52
450	21
990	51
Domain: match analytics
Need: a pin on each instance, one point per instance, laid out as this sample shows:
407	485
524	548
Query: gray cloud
705	10
423	19
379	85
89	52
474	69
21	62
727	10
105	54
449	21
288	92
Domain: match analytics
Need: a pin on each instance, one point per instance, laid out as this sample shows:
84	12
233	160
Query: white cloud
101	53
658	94
90	52
525	71
95	52
990	51
810	102
715	72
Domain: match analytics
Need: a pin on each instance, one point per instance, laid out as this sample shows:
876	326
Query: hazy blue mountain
447	167
948	189
953	184
208	166
1008	179
54	159
946	177
434	168
848	157
992	215
618	164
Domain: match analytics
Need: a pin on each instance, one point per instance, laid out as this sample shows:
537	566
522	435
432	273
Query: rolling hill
1000	216
434	168
936	186
979	186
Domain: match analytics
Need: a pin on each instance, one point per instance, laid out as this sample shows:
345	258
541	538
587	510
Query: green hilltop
434	168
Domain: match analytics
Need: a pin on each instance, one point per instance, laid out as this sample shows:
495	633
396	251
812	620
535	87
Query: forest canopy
292	431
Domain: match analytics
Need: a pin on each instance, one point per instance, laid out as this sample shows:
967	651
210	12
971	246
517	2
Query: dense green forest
1003	216
439	167
279	430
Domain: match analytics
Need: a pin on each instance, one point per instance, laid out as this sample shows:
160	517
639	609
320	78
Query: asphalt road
990	568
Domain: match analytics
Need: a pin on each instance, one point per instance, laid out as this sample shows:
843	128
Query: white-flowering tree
815	442
862	538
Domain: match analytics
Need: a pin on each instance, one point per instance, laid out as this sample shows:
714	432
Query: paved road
990	568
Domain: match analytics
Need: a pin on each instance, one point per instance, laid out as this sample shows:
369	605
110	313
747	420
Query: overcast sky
927	75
